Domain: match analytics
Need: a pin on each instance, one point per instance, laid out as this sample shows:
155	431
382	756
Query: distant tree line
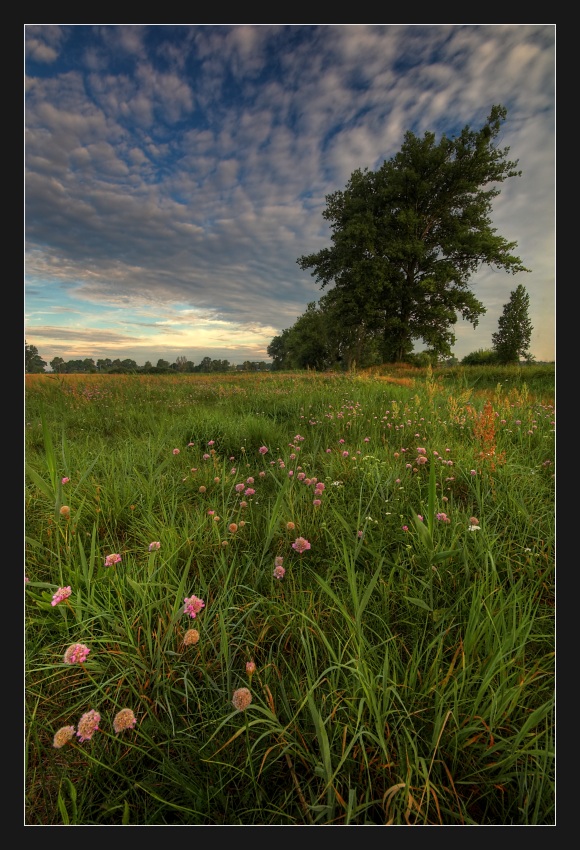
35	364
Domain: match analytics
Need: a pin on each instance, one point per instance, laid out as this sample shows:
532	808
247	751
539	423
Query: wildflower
202	489
232	527
211	442
290	526
263	450
405	528
301	545
155	545
233	470
278	561
63	736
206	456
359	534
263	474
61	594
76	653
316	503
472	472
243	504
191	637
419	517
421	459
124	719
190	444
474	528
64	480
239	487
345	454
250	668
241	523
65	511
88	725
216	481
443	517
367	440
241	699
193	605
175	451
26	579
473	520
110	560
421	451
249	491
279	572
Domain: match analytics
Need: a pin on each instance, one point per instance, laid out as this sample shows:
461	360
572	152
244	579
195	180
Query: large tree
514	329
407	238
33	362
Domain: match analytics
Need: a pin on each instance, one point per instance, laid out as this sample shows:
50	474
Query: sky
175	173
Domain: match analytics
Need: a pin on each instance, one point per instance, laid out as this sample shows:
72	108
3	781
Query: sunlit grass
404	662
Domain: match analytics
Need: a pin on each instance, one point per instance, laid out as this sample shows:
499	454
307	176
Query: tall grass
404	664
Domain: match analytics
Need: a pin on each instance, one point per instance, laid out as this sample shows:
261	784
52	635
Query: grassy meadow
290	598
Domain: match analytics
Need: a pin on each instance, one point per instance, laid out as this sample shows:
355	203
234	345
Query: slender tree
407	238
514	329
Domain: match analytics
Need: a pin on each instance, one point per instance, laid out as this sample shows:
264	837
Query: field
290	598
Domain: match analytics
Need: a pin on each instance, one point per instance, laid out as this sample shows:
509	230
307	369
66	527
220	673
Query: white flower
473	528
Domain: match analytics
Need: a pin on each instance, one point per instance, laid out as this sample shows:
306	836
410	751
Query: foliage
481	357
404	667
408	237
514	331
33	362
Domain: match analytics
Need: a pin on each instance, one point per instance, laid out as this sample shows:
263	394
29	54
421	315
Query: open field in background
404	660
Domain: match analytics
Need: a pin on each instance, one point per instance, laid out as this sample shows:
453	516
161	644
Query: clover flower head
63	736
263	450
301	545
191	637
279	572
241	699
250	668
61	594
154	546
88	725
76	653
124	719
193	605
110	560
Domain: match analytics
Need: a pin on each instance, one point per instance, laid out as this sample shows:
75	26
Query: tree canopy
407	238
33	362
